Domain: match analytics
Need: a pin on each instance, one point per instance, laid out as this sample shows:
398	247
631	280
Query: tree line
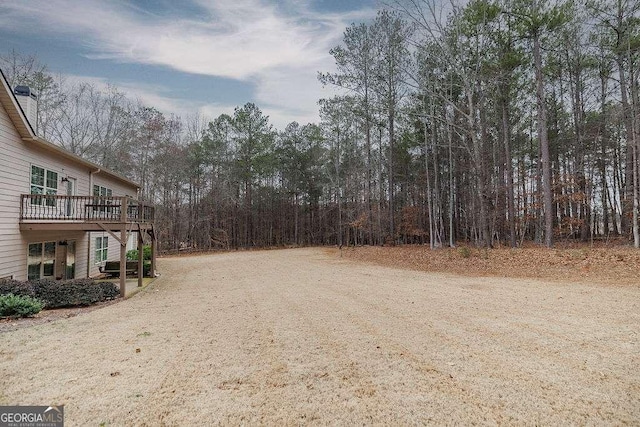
494	122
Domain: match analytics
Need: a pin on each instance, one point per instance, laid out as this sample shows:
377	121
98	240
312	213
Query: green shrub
62	293
70	293
109	290
132	255
146	266
19	305
146	269
16	287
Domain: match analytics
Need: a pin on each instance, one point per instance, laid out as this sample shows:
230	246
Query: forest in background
494	122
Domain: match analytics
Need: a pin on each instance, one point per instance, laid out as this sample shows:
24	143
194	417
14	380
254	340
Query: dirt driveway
302	337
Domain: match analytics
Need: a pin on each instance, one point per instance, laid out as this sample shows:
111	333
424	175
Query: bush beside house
61	293
70	293
16	287
132	255
19	306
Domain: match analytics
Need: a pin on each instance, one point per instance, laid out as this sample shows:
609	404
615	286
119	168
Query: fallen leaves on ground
617	265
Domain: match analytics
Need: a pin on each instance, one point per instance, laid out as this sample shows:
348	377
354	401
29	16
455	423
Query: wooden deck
116	215
87	213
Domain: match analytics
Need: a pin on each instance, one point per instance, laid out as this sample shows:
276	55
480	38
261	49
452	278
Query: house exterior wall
19	272
11	252
117	188
16	158
113	251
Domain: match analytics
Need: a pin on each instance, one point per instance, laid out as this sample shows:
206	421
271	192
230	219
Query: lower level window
102	245
40	260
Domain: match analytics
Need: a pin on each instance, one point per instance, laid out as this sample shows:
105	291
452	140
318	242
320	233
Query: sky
190	57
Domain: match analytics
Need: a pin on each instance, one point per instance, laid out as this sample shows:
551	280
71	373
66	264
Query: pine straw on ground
617	266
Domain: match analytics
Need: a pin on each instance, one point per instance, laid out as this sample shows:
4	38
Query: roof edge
47	145
18	108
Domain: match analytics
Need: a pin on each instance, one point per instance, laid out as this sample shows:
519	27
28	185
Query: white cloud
291	92
280	109
212	110
277	46
236	38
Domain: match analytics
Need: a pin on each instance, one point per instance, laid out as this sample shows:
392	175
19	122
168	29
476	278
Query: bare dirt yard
290	337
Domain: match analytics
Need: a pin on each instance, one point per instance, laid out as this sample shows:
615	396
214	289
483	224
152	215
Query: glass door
71	260
71	191
41	260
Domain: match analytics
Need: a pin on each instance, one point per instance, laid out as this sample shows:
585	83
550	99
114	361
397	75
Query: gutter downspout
91	179
91	173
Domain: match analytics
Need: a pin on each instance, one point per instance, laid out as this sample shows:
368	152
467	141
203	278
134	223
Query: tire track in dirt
418	372
496	362
279	377
340	353
197	326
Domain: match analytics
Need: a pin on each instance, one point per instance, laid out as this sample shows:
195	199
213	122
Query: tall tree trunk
338	189
635	98
627	200
506	134
428	182
543	139
380	187
484	182
604	139
248	214
451	188
391	117
437	217
368	136
576	90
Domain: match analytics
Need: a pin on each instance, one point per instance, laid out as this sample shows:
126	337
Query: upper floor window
103	199
43	181
100	191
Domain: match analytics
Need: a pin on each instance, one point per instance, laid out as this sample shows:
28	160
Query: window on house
40	260
102	245
102	198
43	181
100	191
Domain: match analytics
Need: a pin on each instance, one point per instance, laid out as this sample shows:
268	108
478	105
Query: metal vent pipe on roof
28	101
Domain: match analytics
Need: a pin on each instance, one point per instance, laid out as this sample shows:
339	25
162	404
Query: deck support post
140	258
154	249
123	263
123	249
